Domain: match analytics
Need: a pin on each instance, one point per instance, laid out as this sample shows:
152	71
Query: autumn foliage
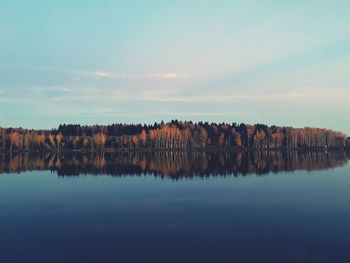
170	136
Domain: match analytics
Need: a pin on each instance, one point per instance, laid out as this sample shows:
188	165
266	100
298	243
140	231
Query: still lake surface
175	207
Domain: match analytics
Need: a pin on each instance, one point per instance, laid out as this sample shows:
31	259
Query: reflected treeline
174	164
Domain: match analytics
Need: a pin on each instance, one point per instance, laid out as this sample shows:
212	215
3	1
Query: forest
174	135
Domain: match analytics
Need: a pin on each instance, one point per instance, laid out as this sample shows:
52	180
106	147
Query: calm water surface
263	209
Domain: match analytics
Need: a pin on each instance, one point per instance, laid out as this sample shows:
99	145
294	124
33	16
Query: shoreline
211	149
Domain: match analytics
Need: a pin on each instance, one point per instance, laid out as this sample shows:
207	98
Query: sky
99	62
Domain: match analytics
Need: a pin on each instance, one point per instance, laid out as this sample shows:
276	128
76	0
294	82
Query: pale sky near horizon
273	62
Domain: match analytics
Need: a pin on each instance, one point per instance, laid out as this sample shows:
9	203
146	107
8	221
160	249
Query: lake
175	207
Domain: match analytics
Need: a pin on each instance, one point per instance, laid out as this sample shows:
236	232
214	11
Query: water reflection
172	164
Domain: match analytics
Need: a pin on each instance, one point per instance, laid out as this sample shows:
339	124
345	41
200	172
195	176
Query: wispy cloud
50	92
300	94
110	94
195	114
103	73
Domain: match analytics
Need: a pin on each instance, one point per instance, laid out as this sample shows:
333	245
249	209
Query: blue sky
273	62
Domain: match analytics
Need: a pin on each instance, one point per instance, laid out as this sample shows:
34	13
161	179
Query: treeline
174	164
172	135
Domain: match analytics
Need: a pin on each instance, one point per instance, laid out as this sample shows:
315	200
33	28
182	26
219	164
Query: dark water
175	207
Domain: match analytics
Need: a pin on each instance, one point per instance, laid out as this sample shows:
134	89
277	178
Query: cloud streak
102	73
297	95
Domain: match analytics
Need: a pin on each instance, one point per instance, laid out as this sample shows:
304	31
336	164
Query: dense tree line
172	135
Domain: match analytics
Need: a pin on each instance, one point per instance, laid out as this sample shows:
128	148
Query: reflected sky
299	217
